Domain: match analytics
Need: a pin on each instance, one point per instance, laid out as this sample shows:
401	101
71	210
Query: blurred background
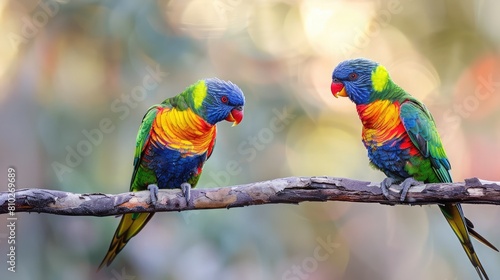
73	93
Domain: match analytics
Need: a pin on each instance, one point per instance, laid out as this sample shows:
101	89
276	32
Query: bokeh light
70	69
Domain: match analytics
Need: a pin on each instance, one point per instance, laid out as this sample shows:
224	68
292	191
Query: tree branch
292	190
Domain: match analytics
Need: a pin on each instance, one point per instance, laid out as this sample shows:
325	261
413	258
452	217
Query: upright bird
174	140
401	138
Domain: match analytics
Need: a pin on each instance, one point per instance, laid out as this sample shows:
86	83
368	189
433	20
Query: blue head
218	100
358	79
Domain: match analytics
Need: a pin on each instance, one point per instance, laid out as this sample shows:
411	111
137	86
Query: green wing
142	139
422	130
131	224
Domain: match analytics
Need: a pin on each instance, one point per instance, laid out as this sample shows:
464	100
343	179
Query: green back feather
423	133
141	174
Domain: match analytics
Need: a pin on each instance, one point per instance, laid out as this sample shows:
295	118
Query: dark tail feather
129	226
454	215
473	233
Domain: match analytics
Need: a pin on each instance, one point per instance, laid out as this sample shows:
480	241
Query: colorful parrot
174	140
401	138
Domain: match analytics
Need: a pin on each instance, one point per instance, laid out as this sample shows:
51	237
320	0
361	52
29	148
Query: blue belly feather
172	168
389	158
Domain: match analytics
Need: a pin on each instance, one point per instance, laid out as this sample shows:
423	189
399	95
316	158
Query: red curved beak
235	116
338	89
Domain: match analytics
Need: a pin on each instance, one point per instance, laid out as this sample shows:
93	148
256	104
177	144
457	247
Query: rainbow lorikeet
401	138
174	140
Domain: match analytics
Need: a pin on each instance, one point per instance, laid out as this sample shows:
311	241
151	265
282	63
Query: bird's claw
385	185
153	193
406	185
186	191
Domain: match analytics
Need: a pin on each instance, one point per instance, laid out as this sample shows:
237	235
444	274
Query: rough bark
292	190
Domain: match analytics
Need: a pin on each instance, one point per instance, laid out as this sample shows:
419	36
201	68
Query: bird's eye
353	76
224	99
335	80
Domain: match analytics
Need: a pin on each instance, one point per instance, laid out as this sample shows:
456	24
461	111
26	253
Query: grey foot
186	191
385	185
406	185
153	192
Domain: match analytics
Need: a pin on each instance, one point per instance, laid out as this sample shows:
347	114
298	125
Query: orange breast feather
382	123
183	131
